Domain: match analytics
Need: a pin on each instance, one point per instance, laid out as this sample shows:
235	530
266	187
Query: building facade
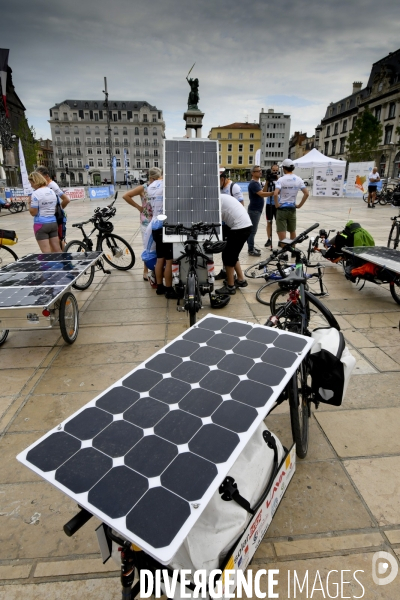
275	135
10	171
300	144
382	96
44	155
237	147
79	133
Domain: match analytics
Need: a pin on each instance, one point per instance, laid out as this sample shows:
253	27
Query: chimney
262	110
270	110
357	85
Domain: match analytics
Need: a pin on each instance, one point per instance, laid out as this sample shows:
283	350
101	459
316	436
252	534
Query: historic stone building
9	158
382	96
44	155
237	146
80	138
275	134
300	144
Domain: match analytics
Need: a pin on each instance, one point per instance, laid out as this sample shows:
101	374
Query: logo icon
384	564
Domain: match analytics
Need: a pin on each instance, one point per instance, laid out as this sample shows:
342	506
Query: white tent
314	158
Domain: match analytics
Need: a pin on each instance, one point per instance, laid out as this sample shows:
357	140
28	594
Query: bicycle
297	310
6	255
12	206
196	265
394	234
116	251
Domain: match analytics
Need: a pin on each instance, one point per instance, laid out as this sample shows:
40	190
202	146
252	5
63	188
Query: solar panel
38	279
191	182
378	255
147	455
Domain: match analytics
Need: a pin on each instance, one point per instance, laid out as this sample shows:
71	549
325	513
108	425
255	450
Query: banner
114	166
328	181
24	174
104	191
127	179
357	179
75	193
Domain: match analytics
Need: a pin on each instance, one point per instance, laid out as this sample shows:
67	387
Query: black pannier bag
331	365
396	198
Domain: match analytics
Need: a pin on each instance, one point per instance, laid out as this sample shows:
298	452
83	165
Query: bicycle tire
395	289
69	318
300	408
394	239
365	197
14	208
191	295
85	280
6	255
3	335
126	258
260	290
318	316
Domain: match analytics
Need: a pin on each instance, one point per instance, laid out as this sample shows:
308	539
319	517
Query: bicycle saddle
292	280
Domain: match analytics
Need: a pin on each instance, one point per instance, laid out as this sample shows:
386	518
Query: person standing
372	187
228	187
42	205
285	194
256	207
64	201
270	209
240	227
145	210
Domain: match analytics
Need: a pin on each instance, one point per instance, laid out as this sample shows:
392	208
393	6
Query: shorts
270	212
45	231
372	189
225	231
236	239
163	250
286	220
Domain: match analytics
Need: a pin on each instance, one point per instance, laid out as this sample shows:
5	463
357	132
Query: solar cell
147	455
378	255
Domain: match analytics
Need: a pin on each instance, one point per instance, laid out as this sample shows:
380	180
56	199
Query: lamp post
105	92
391	147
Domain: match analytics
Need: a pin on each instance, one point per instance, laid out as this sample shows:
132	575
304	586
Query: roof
238	126
112	104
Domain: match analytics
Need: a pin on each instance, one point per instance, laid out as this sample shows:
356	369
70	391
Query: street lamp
392	147
318	130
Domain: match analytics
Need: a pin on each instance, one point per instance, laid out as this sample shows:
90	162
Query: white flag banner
24	174
258	158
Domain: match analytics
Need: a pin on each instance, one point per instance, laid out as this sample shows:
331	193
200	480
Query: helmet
104	226
219	301
214	247
223	172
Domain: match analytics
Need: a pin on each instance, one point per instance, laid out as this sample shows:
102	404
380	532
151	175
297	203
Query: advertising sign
328	181
100	192
357	178
75	193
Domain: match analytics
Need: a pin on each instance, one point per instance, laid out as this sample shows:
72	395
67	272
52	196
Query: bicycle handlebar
196	227
81	224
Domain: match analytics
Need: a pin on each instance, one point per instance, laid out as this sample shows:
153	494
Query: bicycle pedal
106	272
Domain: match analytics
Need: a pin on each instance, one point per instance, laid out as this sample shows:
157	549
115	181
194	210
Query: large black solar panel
191	182
147	455
378	255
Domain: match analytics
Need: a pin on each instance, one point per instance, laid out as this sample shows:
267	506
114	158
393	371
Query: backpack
59	213
358	235
331	365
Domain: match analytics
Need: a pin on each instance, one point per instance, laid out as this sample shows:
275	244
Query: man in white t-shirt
238	221
285	194
64	201
372	187
228	187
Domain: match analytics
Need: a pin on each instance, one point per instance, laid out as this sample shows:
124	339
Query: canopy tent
314	158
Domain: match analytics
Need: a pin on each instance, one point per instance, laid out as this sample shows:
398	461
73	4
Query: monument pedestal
194	120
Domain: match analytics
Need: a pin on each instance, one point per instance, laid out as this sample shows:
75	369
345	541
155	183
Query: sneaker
241	284
227	290
373	206
268	243
369	206
171	294
221	275
254	252
161	289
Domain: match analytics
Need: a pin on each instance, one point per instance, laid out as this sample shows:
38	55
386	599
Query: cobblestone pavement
343	503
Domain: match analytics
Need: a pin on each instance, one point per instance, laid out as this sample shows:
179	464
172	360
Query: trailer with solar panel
174	442
35	293
192	214
376	264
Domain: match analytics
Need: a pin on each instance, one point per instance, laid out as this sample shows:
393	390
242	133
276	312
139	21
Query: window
97	130
98	150
90	150
344	126
107	150
115	130
96	116
378	113
137	153
146	141
336	129
154	130
116	142
342	145
91	162
146	153
59	152
56	116
137	142
147	164
126	141
392	110
65	116
138	164
229	147
61	163
118	160
146	131
240	147
333	146
240	136
99	162
115	117
67	130
252	136
154	118
87	129
219	148
328	131
156	163
326	148
69	152
145	119
125	131
388	135
79	164
136	117
117	151
76	129
126	151
251	159
56	129
78	152
229	136
354	122
70	162
218	136
155	152
251	147
98	142
127	163
229	160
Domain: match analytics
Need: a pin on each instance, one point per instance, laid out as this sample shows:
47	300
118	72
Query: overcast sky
295	57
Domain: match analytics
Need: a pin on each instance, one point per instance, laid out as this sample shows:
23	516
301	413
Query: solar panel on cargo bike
38	279
147	455
378	255
191	182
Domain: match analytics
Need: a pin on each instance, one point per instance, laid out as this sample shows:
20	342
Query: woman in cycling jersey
42	206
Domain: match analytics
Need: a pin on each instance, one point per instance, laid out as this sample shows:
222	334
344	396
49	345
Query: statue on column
194	97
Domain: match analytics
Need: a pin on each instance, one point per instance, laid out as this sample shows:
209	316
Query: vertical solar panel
191	182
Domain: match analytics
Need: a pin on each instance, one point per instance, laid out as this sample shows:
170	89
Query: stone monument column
194	121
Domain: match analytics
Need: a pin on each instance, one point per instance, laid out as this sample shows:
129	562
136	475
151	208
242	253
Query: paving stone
380	359
74	567
103	588
15	358
393	535
103	354
114	333
264	551
328	544
14	572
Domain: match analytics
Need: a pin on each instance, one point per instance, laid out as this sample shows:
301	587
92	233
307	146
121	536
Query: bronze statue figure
194	97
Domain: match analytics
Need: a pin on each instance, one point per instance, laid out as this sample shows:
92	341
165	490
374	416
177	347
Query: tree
29	145
364	139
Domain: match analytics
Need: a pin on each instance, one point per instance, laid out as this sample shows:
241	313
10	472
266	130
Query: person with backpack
62	202
42	206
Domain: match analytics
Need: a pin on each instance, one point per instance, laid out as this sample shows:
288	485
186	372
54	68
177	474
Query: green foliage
29	145
364	139
397	131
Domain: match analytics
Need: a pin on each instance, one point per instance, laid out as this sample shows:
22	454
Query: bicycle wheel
3	336
13	207
117	252
192	297
365	197
299	389
6	256
86	278
69	318
262	296
318	315
393	240
395	290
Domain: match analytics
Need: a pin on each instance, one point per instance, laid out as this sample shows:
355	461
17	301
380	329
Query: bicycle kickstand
100	265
